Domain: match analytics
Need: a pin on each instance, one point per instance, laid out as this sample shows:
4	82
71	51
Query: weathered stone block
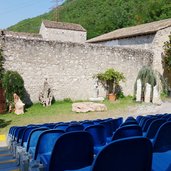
88	107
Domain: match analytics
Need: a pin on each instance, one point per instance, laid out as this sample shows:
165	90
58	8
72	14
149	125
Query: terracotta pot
112	97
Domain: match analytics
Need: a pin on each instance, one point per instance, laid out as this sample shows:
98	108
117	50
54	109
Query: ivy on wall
167	54
1	64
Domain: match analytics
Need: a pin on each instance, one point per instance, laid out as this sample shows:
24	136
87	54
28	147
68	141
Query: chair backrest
61	126
20	134
87	123
98	134
108	128
34	136
46	142
26	134
16	132
129	122
74	127
72	150
11	131
143	120
127	131
116	123
147	123
153	128
129	154
138	118
162	139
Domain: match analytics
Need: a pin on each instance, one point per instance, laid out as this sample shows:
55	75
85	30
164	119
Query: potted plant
110	80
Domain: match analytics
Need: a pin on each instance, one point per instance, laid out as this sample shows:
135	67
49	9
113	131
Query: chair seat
162	161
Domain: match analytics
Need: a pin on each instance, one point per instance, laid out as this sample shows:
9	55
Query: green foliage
67	100
1	64
12	83
146	75
110	79
167	54
102	16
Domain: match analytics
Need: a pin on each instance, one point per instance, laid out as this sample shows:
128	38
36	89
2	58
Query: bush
146	75
68	100
12	83
110	80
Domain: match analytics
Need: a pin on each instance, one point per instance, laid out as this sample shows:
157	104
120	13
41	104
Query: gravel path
147	109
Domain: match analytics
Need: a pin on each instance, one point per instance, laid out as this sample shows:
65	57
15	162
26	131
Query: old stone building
61	31
145	36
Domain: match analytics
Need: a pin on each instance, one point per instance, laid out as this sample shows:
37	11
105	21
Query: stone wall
63	35
143	41
69	67
157	47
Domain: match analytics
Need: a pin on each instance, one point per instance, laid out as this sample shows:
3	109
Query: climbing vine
1	64
167	54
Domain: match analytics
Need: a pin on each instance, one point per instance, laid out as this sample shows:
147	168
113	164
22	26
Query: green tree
12	83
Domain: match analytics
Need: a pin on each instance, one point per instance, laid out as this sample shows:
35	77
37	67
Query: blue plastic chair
46	142
116	123
108	129
87	123
162	140
26	134
162	148
61	126
153	128
129	154
74	127
33	139
72	150
99	137
147	123
127	131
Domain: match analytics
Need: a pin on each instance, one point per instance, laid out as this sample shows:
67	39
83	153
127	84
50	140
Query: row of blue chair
42	149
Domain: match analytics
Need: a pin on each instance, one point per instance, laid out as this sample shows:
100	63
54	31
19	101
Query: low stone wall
69	67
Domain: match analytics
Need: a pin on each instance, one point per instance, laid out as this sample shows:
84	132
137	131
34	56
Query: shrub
12	83
110	80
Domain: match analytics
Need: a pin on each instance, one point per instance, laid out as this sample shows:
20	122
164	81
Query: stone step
7	161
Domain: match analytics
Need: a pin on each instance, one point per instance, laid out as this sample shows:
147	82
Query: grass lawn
61	111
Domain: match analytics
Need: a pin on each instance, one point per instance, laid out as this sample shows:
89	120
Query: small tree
167	54
12	83
110	80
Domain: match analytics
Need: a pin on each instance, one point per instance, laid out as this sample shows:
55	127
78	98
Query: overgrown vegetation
1	64
148	75
167	54
110	80
99	16
12	83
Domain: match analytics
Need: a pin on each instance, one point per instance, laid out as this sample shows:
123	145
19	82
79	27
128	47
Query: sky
13	11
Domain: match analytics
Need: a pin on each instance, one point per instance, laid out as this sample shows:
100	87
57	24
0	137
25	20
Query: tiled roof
62	25
138	30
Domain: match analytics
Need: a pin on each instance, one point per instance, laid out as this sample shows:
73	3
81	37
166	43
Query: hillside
101	16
